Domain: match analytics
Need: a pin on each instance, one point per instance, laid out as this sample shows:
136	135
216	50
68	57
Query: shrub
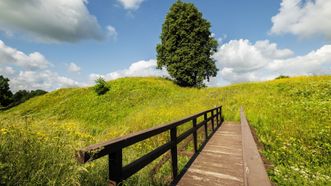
282	77
101	86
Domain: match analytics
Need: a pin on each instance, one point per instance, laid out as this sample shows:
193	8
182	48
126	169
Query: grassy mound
291	118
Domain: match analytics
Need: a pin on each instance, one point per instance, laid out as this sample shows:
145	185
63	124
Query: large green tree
187	46
5	93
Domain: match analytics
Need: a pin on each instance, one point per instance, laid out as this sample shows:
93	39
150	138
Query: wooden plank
255	173
135	166
220	162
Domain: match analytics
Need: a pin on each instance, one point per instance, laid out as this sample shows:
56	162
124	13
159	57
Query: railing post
195	138
174	159
212	120
221	114
115	167
217	118
206	128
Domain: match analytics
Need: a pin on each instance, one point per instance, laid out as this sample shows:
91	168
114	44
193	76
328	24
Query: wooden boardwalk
221	160
230	157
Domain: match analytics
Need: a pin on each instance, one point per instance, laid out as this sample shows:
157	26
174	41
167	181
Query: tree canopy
8	99
187	46
5	93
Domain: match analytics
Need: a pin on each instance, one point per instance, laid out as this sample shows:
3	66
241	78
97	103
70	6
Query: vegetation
282	77
291	118
101	86
187	46
8	99
5	93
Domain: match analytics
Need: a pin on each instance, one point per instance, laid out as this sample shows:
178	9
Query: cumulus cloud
139	68
240	60
10	56
130	4
72	67
315	62
46	79
303	18
49	20
30	71
111	32
7	71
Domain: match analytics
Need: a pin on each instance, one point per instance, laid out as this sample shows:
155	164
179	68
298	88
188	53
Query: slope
291	118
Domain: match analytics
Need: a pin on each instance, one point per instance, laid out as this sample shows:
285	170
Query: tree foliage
8	99
101	86
5	93
23	95
282	77
187	46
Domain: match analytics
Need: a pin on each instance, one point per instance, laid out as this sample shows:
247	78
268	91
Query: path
221	160
229	158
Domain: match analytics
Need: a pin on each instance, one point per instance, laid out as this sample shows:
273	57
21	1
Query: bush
282	77
101	86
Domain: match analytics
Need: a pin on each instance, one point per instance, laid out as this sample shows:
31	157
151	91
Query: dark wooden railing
114	148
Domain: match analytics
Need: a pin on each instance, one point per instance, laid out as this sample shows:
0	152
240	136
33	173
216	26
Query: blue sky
289	37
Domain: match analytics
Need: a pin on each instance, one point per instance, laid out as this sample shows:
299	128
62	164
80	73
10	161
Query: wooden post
212	120
174	160
195	138
217	117
206	128
115	167
221	114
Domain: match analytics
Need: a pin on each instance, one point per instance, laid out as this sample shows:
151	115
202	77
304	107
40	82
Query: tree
5	93
187	46
21	96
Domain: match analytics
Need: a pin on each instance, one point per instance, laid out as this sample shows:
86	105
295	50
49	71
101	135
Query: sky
48	44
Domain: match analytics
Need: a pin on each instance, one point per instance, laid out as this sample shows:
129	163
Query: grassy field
292	119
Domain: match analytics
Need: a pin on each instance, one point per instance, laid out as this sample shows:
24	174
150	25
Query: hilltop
291	118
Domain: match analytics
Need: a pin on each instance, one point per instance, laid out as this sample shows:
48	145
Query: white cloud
130	4
140	68
270	50
240	55
111	32
303	18
12	56
49	20
44	79
72	67
315	62
7	71
30	71
240	60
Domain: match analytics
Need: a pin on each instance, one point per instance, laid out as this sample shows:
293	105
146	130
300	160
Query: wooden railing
114	148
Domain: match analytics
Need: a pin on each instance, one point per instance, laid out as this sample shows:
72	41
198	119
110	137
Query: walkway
221	160
229	158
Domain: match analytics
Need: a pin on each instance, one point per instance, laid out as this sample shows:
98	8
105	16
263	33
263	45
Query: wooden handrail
113	148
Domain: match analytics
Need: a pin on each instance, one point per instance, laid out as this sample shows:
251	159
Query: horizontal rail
113	148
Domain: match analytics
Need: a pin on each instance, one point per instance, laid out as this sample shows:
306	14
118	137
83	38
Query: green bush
282	77
101	86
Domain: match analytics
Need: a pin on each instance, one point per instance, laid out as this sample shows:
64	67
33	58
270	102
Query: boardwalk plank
220	162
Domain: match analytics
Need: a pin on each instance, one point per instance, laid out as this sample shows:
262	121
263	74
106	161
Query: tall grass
38	138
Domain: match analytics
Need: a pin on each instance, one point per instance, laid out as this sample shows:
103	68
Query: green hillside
292	119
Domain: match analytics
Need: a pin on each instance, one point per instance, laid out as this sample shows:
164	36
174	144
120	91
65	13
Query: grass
291	118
